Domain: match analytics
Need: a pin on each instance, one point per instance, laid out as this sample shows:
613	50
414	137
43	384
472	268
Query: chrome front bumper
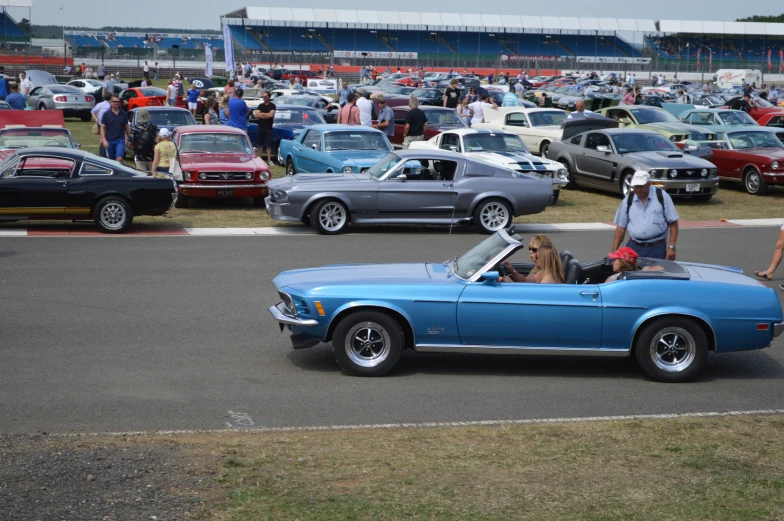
778	329
280	316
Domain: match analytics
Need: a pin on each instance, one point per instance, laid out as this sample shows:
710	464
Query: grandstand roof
16	3
744	28
251	15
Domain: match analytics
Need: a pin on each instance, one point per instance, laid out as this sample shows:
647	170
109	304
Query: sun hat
626	254
641	178
143	116
381	99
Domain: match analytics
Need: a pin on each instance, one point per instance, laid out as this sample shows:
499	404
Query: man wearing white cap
648	214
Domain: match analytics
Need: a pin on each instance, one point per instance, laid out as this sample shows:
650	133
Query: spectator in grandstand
115	130
171	94
193	99
143	141
348	115
165	153
365	107
25	84
238	111
265	113
146	70
343	93
416	123
386	118
3	89
101	71
452	95
15	99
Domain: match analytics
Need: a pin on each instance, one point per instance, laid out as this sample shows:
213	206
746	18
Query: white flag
228	48
208	60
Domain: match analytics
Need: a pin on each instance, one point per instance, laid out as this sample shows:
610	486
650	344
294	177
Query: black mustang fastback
58	183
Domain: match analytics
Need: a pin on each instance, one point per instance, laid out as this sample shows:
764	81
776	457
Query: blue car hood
358	157
351	273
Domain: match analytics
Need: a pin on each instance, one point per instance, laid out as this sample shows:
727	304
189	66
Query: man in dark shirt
115	130
416	123
143	141
265	113
452	95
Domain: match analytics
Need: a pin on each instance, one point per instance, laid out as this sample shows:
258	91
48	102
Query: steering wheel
501	269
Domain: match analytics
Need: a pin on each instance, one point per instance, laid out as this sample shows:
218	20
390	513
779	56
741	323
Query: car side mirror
453	148
77	145
314	146
490	277
625	121
401	177
603	148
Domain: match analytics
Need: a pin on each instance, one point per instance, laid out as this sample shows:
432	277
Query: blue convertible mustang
667	318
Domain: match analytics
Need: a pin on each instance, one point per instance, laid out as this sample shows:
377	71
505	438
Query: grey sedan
606	158
411	187
71	100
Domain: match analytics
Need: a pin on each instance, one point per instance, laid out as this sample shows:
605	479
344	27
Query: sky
206	14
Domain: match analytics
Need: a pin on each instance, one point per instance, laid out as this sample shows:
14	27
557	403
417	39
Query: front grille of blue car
302	306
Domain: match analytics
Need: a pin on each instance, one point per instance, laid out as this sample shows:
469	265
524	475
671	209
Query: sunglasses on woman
533	250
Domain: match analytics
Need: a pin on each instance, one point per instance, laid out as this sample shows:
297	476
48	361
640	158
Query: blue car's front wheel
367	343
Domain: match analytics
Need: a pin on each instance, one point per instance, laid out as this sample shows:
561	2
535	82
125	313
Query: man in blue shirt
648	214
115	130
238	111
3	89
15	99
343	93
193	99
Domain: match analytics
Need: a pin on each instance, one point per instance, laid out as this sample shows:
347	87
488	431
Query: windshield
24	137
427	93
753	139
356	140
171	118
385	165
302	102
215	143
148	92
761	103
493	143
65	89
547	118
734	119
645	116
478	256
251	93
297	117
439	118
629	143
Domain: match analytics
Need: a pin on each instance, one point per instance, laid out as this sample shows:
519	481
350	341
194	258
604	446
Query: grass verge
679	469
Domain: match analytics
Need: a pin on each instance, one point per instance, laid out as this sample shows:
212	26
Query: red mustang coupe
753	157
759	108
217	161
772	119
143	97
438	120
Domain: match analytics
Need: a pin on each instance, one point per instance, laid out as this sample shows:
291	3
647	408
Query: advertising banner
228	48
208	60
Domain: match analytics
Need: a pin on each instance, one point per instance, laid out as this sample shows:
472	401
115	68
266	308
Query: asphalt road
164	333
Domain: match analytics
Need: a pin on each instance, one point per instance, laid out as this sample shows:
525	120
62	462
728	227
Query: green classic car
653	118
719	121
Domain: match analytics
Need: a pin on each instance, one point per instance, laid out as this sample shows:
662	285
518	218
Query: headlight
346	169
263	175
202	176
291	308
774	165
248	175
673	173
186	176
704	172
279	195
562	173
652	172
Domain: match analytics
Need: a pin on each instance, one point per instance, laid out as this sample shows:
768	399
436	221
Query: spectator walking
177	82
193	99
452	95
101	71
648	214
155	71
778	253
115	130
25	84
510	100
108	84
628	98
478	108
146	71
386	118
238	111
519	89
165	153
143	141
3	89
415	123
16	100
97	113
349	114
343	93
171	94
265	113
365	107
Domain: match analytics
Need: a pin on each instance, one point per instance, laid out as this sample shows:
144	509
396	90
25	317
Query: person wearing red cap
625	259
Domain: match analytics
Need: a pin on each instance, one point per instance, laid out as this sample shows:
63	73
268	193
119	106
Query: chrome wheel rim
113	215
290	169
494	216
673	349
367	344
752	182
332	216
627	184
543	151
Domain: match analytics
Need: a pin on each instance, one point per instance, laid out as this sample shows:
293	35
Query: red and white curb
278	231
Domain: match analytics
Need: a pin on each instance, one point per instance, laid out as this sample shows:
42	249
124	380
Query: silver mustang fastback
411	187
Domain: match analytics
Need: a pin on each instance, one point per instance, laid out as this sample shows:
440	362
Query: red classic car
753	157
760	107
772	119
217	161
143	97
301	74
438	120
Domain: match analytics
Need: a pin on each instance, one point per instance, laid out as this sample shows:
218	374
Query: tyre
258	202
85	117
41	107
671	349
572	181
367	343
626	182
556	195
329	217
290	169
113	215
702	198
182	201
492	215
753	182
543	148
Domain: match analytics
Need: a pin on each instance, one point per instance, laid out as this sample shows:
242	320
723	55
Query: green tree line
767	19
56	31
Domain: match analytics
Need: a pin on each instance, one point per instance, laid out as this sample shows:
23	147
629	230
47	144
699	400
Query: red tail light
152	102
89	98
61	98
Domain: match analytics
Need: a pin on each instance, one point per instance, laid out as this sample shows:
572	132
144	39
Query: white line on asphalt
283	230
757	222
13	233
480	423
563	227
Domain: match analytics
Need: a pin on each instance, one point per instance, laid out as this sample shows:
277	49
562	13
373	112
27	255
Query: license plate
692	187
225	193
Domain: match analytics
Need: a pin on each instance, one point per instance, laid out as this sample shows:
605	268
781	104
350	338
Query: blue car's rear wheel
367	343
671	349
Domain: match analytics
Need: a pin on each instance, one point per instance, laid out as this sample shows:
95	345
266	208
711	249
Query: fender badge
435	330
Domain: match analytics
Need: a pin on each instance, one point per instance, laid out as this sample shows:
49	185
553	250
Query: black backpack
659	196
144	144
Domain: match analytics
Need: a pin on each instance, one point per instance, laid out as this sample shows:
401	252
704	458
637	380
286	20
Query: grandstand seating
9	29
754	49
243	38
137	42
85	41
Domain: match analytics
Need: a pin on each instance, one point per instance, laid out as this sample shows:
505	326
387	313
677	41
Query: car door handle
449	185
594	294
